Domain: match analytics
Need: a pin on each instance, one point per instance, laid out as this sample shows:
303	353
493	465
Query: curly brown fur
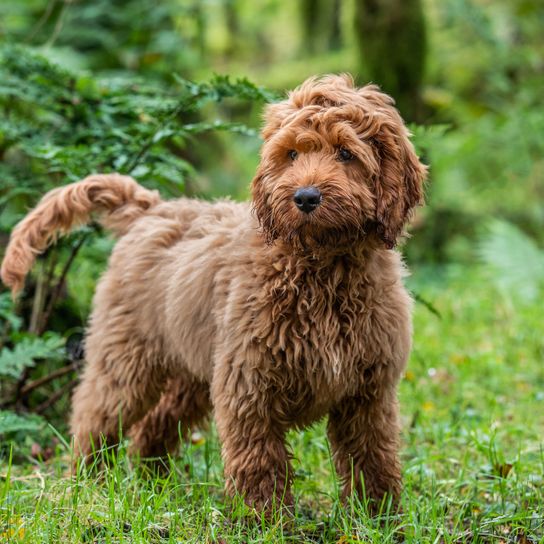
184	404
66	207
282	319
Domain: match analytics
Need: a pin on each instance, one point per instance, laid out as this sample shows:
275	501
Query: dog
273	314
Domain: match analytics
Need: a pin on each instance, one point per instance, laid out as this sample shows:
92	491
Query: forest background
171	92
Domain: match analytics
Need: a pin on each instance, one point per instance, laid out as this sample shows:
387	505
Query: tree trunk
392	44
321	25
335	35
310	25
233	26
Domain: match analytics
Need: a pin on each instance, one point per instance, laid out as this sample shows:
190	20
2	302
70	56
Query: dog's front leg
253	446
364	435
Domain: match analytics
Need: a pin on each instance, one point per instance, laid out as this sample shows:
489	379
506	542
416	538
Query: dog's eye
292	154
345	155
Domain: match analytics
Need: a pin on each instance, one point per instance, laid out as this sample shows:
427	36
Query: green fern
11	422
515	260
7	314
57	126
27	350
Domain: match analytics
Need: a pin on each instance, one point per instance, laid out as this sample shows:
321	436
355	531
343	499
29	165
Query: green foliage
27	350
57	126
25	430
111	35
11	423
8	317
484	81
320	25
515	261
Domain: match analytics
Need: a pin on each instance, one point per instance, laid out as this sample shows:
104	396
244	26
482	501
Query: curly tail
119	199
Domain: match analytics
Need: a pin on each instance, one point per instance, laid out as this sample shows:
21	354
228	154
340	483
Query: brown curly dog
273	319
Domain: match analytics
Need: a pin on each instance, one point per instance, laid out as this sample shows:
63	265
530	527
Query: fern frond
515	260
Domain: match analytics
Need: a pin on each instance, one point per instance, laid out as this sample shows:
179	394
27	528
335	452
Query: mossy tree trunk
233	27
310	25
335	34
392	41
321	25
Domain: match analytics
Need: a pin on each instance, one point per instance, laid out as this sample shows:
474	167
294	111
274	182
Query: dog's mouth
314	232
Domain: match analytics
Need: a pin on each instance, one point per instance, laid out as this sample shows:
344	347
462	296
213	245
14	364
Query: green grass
473	417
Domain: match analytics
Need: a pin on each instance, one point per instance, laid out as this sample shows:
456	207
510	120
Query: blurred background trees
102	85
392	40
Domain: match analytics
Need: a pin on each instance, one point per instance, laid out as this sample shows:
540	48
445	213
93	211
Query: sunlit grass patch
473	458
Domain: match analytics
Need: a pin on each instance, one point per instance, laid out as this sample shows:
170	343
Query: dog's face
337	167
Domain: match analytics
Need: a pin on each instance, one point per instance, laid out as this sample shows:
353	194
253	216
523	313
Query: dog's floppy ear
274	116
399	188
261	208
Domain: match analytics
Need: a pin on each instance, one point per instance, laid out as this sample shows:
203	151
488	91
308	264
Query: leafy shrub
58	126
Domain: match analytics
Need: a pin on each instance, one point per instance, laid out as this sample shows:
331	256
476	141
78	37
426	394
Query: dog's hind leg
123	379
184	404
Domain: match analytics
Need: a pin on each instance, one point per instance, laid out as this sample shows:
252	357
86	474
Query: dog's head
337	167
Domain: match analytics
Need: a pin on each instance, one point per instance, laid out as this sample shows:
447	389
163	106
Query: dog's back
162	267
162	274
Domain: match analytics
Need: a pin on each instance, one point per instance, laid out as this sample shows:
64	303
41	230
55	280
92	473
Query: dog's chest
316	331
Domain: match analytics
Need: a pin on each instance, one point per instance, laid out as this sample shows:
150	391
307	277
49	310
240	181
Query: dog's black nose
307	199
